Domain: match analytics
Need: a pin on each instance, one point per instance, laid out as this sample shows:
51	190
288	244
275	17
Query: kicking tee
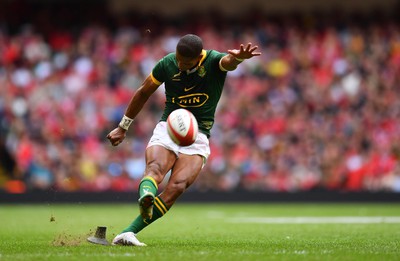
198	90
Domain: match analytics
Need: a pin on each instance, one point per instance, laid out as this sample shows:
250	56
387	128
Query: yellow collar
204	53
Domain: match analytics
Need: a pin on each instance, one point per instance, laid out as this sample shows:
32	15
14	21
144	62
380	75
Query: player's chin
184	69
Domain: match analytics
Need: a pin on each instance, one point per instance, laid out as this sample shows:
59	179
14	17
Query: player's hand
116	136
245	52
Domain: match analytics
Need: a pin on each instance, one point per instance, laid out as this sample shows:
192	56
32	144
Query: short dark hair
190	46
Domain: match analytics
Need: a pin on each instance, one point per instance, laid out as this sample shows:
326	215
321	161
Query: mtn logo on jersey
191	100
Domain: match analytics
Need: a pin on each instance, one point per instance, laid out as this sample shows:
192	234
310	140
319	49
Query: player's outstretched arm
148	87
235	56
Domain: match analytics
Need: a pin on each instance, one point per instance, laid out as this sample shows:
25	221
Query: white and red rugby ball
182	127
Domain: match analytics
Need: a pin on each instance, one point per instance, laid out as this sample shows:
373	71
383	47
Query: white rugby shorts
160	137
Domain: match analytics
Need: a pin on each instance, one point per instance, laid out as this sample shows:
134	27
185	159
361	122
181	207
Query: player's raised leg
158	162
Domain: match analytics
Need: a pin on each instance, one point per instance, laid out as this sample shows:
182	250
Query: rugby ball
182	127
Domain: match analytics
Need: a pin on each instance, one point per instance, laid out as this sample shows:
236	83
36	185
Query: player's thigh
186	169
159	159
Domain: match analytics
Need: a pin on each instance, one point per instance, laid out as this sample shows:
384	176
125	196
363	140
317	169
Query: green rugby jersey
198	91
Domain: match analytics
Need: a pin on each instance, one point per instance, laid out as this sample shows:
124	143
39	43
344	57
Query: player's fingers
253	48
110	138
116	143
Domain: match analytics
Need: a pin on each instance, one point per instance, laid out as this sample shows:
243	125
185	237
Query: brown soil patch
65	239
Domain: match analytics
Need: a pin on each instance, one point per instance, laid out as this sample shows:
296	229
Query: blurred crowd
320	109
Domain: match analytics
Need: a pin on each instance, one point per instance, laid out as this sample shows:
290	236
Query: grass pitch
205	232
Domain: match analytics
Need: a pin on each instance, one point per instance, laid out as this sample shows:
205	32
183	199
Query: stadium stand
318	110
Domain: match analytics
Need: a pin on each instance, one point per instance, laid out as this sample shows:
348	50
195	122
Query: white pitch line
315	220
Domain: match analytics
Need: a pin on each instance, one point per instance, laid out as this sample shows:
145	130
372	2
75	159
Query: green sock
147	184
159	210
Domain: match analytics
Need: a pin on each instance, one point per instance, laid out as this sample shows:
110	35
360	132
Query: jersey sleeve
216	57
158	72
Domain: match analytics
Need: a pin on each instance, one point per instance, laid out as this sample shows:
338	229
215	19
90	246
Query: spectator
318	110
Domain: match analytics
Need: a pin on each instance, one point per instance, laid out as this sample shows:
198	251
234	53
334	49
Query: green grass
199	232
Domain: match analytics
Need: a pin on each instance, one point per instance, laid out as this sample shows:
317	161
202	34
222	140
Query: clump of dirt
65	239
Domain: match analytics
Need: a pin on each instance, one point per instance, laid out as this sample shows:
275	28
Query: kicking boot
127	239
